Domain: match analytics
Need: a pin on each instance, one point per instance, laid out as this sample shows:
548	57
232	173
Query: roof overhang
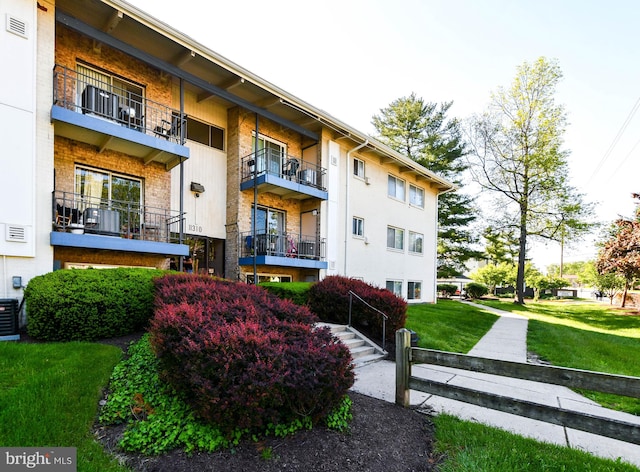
213	77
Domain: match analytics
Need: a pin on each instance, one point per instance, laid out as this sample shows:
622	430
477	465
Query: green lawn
49	397
584	335
581	335
49	392
449	325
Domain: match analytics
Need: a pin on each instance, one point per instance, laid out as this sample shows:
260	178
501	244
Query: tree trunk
522	257
624	294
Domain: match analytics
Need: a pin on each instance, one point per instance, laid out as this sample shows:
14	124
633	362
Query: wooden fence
572	378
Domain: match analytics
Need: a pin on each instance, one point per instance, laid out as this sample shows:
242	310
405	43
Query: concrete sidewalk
506	340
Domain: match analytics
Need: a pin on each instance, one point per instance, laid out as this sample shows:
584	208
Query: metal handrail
134	221
384	316
282	244
87	95
273	162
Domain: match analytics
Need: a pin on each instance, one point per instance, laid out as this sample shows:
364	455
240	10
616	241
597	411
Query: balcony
108	117
97	223
289	177
282	249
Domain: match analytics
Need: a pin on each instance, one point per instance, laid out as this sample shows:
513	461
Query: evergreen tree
422	131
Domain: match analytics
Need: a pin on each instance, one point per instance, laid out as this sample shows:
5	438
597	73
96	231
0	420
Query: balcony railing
273	162
91	96
280	244
81	214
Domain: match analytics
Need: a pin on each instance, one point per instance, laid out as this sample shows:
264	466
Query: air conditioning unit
101	221
100	102
308	176
9	319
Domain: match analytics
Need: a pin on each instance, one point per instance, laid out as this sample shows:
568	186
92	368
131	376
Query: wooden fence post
403	366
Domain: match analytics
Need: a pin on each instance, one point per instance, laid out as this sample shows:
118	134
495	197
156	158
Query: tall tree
421	130
500	245
516	155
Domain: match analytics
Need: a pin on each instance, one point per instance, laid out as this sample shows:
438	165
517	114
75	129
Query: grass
584	335
49	397
49	392
449	325
602	337
473	447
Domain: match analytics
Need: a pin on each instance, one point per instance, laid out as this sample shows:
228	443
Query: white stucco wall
368	257
26	141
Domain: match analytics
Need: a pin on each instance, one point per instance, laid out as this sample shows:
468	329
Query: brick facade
72	49
241	128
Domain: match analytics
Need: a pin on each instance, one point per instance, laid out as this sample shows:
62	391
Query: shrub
476	290
447	290
85	305
242	358
297	292
329	299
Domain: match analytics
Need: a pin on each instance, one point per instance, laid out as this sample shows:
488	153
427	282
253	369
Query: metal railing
90	96
273	162
384	316
78	213
281	244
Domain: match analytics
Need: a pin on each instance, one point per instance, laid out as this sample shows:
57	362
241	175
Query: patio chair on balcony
66	217
171	129
131	117
291	168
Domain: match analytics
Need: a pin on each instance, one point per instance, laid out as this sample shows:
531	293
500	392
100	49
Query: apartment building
127	143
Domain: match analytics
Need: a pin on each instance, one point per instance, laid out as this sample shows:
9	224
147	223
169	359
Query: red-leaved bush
241	357
329	299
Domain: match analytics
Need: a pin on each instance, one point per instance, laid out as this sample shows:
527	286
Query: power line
625	158
617	137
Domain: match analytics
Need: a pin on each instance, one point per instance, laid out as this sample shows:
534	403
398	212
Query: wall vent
16	26
16	233
334	160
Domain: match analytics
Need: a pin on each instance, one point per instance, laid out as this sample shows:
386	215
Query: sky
351	58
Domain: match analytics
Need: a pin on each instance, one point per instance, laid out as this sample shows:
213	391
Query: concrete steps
363	350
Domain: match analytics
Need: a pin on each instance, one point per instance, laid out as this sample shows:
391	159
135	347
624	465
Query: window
396	188
395	238
99	188
416	196
270	221
269	278
96	185
358	226
358	168
206	134
414	290
395	286
415	242
270	156
129	94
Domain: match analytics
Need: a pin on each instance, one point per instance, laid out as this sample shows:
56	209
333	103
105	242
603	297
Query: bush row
329	299
85	305
241	357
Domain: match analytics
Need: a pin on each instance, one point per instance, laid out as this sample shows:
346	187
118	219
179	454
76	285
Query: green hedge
85	305
447	290
297	292
476	290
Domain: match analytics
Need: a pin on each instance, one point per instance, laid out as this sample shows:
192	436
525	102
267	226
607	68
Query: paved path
506	340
